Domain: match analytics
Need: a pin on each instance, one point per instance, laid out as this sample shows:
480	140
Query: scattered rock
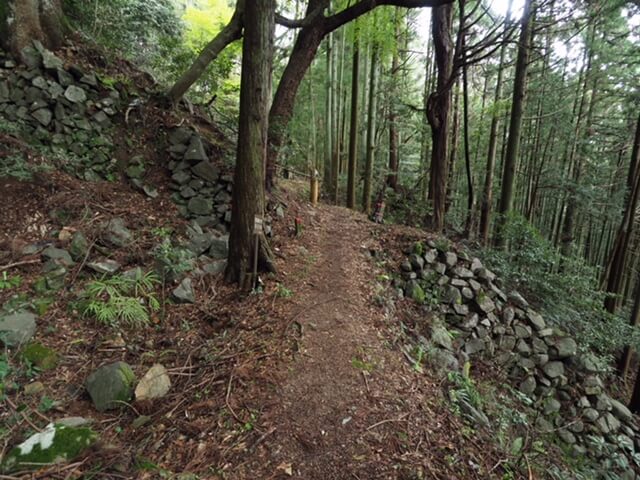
34	388
154	384
110	385
184	292
441	337
116	233
42	357
59	256
106	266
17	328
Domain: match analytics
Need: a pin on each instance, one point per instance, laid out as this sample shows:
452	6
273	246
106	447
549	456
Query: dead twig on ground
226	401
388	420
18	264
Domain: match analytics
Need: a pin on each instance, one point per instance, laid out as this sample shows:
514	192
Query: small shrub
7	282
121	300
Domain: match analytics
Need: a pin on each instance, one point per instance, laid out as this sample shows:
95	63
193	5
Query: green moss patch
55	444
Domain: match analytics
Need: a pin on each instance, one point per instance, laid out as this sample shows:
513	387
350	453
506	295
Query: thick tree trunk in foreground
438	107
23	21
255	92
517	109
229	34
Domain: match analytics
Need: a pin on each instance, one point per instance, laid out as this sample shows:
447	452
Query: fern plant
121	300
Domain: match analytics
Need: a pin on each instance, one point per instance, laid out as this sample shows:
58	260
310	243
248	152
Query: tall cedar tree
255	92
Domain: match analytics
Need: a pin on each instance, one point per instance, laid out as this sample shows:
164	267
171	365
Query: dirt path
340	410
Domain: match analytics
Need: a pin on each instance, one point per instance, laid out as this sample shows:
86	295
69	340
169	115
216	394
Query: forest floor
348	405
306	380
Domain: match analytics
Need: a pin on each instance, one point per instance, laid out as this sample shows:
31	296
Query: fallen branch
19	264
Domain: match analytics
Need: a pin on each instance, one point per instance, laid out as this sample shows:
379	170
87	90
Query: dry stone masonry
542	362
201	192
62	108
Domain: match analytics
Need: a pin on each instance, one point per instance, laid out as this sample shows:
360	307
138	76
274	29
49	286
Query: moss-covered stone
415	292
56	444
42	357
111	385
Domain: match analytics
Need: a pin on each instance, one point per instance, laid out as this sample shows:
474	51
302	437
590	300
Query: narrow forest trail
348	405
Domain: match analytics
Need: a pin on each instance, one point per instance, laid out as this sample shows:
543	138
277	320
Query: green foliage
18	167
127	26
565	288
171	261
5	371
282	291
405	208
121	301
7	282
463	388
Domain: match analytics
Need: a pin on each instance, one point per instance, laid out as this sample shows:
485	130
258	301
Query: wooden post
315	188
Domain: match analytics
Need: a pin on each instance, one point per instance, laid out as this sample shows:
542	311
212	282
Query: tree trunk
255	92
392	177
328	143
371	133
438	107
353	128
487	193
623	236
515	124
23	21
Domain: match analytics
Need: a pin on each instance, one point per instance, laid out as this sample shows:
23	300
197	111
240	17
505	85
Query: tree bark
623	237
392	177
438	107
255	92
23	21
515	123
371	133
353	128
487	192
